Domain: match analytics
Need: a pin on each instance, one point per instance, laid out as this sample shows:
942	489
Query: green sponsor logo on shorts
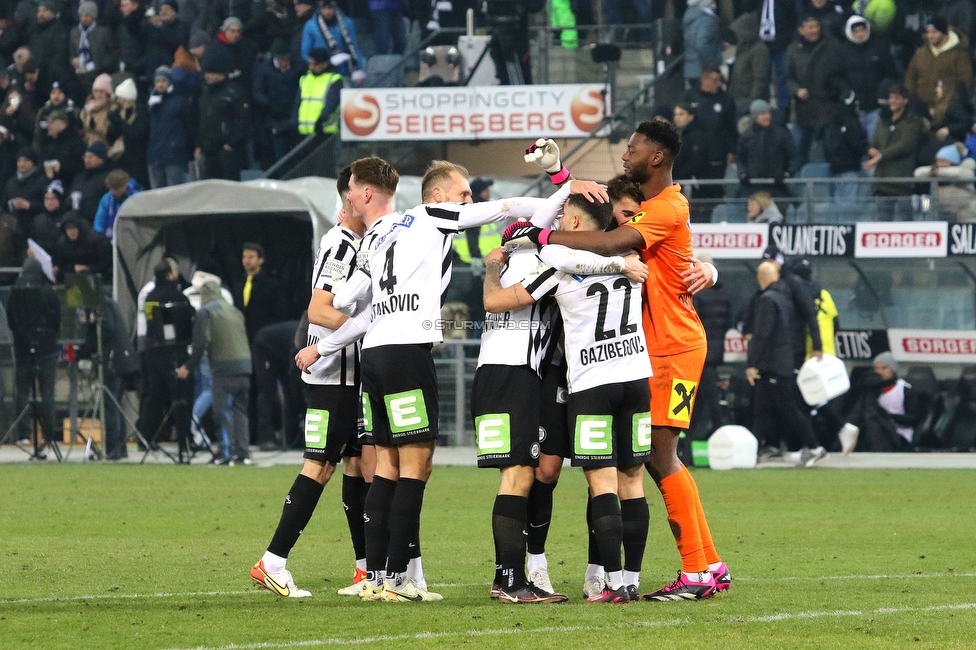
406	411
367	413
494	433
594	435
642	432
316	428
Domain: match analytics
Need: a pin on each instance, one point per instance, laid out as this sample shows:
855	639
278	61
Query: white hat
127	90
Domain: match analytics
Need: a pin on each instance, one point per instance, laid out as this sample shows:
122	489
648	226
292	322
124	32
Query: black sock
540	515
353	503
377	524
635	516
592	550
608	530
404	523
297	511
508	524
415	547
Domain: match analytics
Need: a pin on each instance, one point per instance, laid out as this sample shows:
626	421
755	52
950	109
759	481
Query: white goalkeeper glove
544	152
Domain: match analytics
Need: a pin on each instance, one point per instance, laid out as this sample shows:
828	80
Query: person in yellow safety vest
478	242
562	16
318	95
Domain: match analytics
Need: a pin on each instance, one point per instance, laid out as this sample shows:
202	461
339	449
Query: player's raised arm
615	242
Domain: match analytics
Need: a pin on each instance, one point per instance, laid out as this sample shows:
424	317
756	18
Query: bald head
767	273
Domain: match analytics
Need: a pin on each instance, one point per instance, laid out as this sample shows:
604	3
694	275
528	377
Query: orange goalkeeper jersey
671	324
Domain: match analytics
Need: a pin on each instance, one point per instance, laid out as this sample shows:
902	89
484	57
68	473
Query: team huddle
591	351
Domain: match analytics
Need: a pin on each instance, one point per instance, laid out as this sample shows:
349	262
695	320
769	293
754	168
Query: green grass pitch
125	556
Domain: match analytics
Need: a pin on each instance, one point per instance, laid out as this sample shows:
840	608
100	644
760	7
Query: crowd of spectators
877	88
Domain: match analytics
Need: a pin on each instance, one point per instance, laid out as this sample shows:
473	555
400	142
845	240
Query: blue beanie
950	153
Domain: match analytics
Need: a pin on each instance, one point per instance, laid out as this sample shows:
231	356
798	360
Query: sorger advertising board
472	113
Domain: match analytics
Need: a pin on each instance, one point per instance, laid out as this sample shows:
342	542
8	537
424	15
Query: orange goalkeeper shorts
674	387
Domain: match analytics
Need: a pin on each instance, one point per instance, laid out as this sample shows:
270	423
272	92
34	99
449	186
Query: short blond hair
438	172
764	199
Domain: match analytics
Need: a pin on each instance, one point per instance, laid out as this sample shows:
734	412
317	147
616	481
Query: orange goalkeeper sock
679	500
708	546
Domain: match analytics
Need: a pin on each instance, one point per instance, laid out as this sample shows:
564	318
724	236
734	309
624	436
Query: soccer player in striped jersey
506	397
675	338
609	400
331	421
403	270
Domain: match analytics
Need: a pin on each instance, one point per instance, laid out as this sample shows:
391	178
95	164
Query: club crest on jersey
637	217
682	399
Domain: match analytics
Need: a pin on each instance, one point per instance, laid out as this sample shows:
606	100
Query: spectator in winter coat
953	114
830	14
130	122
223	119
94	116
762	209
749	78
944	56
239	50
845	143
865	63
333	30
765	150
811	71
80	249
170	127
250	13
120	187
87	189
692	161
887	408
958	198
45	228
132	44
892	151
715	113
388	31
48	42
92	47
703	40
62	150
58	101
275	85
23	195
164	33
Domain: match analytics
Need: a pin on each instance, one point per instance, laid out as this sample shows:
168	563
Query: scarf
330	40
84	47
767	22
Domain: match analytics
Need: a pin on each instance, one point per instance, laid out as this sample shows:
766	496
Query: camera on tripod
169	324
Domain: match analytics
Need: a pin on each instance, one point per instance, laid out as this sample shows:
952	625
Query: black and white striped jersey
334	263
408	260
604	341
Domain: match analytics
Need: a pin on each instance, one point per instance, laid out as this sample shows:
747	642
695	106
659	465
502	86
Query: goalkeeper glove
526	231
545	153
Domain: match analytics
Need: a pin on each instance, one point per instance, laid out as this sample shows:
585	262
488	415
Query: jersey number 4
626	327
388	279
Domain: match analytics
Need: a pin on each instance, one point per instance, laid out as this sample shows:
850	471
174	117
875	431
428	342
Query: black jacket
692	160
91	249
48	44
32	188
266	306
864	67
714	308
68	149
133	128
132	44
274	91
845	142
765	152
33	312
180	316
804	316
91	184
715	116
771	347
224	118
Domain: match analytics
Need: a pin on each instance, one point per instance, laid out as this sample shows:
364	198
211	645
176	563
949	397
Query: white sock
361	564
537	561
632	578
378	578
593	571
615	579
415	569
273	563
714	566
697	577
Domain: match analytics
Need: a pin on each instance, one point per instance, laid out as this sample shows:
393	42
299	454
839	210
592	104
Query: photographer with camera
34	316
169	326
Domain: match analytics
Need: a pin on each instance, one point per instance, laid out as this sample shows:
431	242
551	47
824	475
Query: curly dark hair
664	134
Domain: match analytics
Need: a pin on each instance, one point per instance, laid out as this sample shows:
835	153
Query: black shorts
553	427
331	421
365	427
611	425
505	408
401	384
